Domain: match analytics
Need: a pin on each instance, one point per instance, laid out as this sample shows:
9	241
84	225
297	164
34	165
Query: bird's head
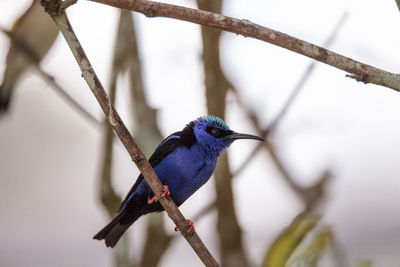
215	135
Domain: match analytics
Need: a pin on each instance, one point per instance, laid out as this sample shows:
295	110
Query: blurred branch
31	55
36	29
359	71
249	157
108	196
60	18
147	133
398	3
306	75
229	231
67	3
311	194
308	195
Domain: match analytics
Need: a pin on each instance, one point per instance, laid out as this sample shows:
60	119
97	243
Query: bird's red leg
165	193
190	227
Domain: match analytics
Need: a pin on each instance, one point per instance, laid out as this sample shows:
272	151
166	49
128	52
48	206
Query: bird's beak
235	136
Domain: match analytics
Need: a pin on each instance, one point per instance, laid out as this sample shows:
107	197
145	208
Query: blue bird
184	162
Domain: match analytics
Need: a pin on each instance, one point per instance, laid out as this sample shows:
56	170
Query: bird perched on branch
184	162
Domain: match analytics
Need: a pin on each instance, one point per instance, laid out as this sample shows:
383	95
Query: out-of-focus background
51	155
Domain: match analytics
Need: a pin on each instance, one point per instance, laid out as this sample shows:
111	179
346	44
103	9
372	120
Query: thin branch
245	162
60	18
307	195
306	75
398	3
359	71
204	210
29	52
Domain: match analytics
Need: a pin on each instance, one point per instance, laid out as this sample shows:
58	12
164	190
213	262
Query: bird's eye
214	132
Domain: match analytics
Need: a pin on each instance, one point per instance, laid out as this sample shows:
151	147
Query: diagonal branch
31	55
304	78
359	71
310	195
60	18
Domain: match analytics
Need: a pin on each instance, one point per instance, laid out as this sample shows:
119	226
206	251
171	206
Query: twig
304	78
360	71
204	210
246	161
60	18
25	48
398	3
307	195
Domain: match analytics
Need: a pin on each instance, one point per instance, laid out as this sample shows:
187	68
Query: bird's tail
113	231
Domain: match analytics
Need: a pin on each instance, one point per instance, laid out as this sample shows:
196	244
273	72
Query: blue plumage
184	162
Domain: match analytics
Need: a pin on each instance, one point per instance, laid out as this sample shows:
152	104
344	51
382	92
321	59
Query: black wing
185	137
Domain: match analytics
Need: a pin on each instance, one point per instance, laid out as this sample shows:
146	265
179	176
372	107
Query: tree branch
310	195
60	18
110	199
304	78
147	134
359	71
30	53
216	87
67	3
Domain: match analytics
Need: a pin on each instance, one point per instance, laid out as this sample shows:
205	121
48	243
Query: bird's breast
185	171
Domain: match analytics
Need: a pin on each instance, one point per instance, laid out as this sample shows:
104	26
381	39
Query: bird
184	161
32	36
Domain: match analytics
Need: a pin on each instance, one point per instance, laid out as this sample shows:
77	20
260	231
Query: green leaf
282	248
312	254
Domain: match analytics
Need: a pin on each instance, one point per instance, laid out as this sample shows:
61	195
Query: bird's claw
165	193
190	229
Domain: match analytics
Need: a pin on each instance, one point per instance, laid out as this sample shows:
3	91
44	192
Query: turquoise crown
216	121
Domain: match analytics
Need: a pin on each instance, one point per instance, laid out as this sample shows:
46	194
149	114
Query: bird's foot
190	225
165	193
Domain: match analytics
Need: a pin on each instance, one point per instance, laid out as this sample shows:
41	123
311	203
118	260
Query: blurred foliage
364	263
289	239
312	253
